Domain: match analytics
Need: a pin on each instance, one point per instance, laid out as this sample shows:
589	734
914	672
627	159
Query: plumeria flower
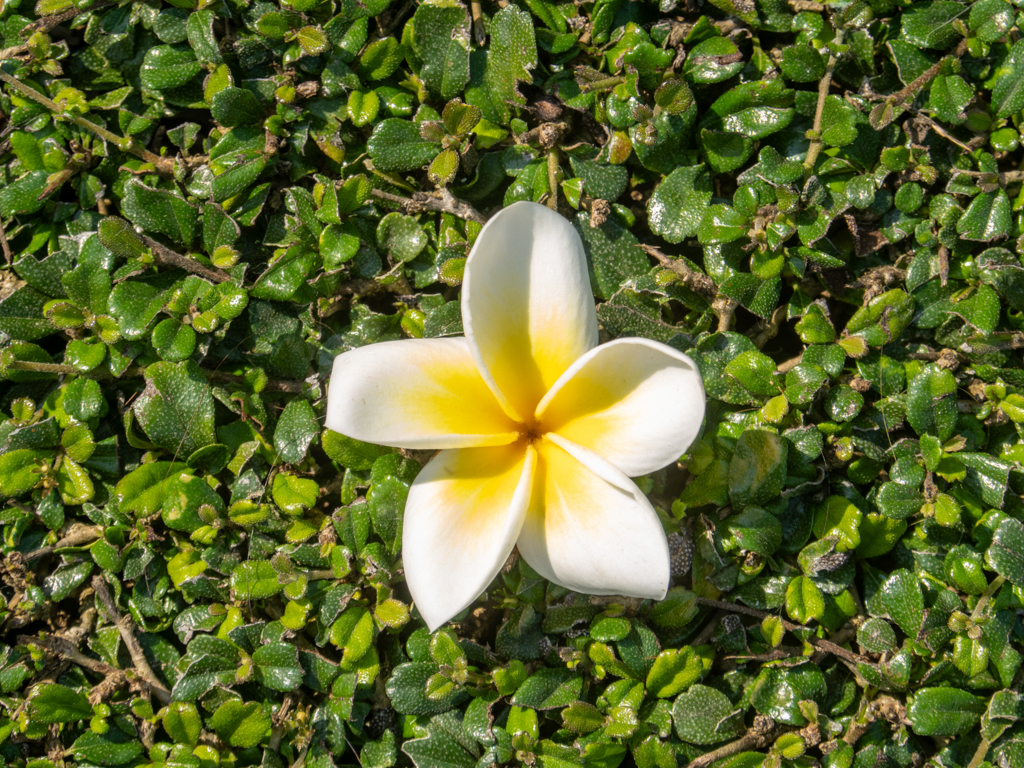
538	428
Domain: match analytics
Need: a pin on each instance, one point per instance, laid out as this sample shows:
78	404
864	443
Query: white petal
527	305
590	535
462	518
637	403
416	393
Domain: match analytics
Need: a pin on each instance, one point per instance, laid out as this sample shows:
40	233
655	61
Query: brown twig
162	164
273	385
280	720
806	5
725	308
823	645
441	201
885	112
61	647
826	81
167	257
553	179
124	626
479	32
8	256
700	284
83	535
788	365
758	737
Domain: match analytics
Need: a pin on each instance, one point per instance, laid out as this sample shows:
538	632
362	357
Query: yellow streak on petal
589	535
452	398
419	393
462	519
636	403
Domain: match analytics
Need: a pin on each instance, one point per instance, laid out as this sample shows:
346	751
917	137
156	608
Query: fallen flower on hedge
539	429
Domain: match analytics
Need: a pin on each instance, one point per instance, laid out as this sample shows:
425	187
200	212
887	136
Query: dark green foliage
205	203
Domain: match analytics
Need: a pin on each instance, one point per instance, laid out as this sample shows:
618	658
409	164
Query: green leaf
352	453
704	715
802	64
778	692
549	689
674	671
1006	552
929	24
712	61
313	40
511	56
903	600
236	106
877	636
931	402
168	66
677	207
295	431
944	711
19	471
406	687
401	236
52	703
613	255
1008	91
441	41
176	408
990	19
446	745
160	212
838	517
804	600
721	224
277	666
380	59
186	499
255	580
949	96
241	724
202	39
115	747
758	468
987	218
396	145
173	341
142	490
294	494
838	122
883	319
756	372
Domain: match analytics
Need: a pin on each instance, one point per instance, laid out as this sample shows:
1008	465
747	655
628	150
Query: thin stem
83	535
163	164
167	257
605	84
753	739
826	81
553	179
62	647
695	281
124	626
273	385
8	256
823	645
479	33
992	588
441	201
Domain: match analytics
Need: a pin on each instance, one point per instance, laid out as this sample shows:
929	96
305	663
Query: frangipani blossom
538	428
